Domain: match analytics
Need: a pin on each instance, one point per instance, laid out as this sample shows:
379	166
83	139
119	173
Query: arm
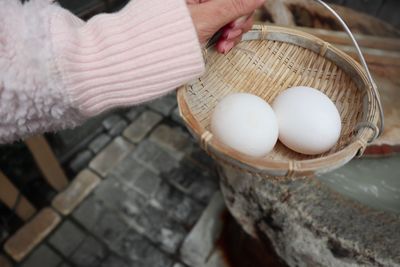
57	70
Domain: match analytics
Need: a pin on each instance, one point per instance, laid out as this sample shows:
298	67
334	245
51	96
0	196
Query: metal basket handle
379	130
363	63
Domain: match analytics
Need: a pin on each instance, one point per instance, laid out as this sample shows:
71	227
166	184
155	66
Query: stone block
114	261
136	176
89	254
156	158
201	241
194	181
217	259
119	197
99	143
111	121
137	248
138	129
174	139
4	262
103	222
164	105
134	112
66	201
80	161
178	265
199	156
31	234
178	206
89	212
118	128
147	184
67	238
111	156
159	228
42	256
110	228
176	116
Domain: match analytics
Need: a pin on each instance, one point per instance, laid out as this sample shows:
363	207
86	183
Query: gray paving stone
118	128
43	256
89	212
179	206
136	176
89	254
174	139
142	126
194	181
139	249
67	238
99	143
159	228
199	156
134	112
81	161
201	241
114	261
164	105
156	158
119	197
178	265
111	120
147	184
111	156
110	228
177	117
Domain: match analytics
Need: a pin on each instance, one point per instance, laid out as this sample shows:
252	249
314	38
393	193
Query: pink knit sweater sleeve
57	70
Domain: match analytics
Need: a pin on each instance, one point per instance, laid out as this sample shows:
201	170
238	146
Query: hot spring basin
350	217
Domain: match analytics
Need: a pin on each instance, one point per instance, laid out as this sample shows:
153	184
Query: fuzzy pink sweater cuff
142	52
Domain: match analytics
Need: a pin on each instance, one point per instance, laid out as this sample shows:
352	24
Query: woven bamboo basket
269	60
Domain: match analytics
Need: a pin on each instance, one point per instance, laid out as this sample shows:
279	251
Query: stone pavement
152	198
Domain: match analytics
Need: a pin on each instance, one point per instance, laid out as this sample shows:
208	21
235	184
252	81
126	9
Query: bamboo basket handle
369	76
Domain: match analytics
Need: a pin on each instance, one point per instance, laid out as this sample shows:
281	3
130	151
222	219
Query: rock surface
309	224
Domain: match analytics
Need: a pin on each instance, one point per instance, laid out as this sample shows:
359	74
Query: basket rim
297	168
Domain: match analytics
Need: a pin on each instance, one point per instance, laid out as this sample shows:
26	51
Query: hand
234	16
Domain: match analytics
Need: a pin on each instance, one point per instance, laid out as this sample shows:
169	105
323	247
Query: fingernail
239	22
228	47
234	33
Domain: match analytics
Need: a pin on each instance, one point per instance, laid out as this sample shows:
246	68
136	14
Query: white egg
245	122
309	121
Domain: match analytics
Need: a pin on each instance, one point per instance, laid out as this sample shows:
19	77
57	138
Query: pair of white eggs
304	119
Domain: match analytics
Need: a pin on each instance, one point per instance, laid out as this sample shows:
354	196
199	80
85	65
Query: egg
309	121
245	122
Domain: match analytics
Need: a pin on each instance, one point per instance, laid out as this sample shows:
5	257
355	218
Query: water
371	181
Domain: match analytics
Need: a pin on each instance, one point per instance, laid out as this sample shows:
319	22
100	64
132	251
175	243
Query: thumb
225	11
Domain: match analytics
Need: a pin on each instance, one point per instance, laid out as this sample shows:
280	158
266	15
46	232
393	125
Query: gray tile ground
156	184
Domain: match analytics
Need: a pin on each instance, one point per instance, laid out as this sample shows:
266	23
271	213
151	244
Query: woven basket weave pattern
266	68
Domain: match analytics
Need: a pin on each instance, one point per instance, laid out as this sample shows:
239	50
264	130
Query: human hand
233	16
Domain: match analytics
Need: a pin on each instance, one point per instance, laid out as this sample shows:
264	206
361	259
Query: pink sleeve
57	70
140	53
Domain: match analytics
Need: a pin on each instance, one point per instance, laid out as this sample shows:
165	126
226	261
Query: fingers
224	46
232	36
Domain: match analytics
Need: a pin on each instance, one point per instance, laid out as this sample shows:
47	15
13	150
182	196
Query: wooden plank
47	162
311	14
9	195
390	59
31	234
341	38
389	88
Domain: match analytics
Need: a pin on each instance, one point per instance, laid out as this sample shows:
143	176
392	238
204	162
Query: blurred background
132	188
